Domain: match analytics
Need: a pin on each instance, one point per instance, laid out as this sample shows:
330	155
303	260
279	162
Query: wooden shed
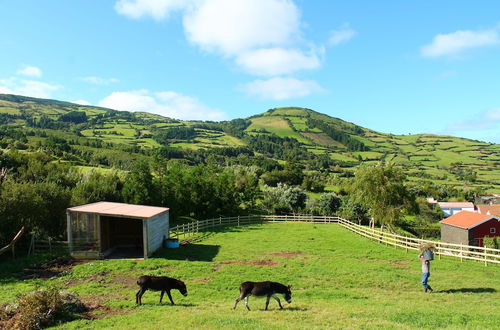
116	230
469	228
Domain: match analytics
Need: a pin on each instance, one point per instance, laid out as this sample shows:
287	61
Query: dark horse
260	289
159	283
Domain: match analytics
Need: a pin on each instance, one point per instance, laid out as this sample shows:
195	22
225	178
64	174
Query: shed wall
451	234
483	230
157	228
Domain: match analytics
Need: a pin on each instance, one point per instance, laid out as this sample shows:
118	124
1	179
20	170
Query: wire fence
194	230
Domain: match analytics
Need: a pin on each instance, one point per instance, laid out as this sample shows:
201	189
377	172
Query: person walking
426	272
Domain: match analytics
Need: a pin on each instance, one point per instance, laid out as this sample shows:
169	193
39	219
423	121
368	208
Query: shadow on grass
469	290
165	304
190	252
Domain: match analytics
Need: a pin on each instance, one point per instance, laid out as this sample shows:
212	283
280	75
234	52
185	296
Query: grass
339	280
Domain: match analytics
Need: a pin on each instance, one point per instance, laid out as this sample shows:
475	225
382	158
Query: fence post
461	252
485	259
406	244
238	220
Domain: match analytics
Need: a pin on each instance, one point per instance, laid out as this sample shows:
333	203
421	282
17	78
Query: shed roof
456	205
492	209
467	219
120	209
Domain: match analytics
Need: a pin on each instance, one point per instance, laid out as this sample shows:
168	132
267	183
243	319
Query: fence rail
487	255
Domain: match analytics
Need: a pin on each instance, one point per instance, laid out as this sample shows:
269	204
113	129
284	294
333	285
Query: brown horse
159	283
260	289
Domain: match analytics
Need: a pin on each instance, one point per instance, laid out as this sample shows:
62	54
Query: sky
401	67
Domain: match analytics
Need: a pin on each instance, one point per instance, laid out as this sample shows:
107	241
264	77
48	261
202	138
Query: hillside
94	136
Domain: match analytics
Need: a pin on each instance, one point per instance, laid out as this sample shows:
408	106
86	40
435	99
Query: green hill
95	136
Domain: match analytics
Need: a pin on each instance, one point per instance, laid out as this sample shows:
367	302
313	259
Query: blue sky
393	66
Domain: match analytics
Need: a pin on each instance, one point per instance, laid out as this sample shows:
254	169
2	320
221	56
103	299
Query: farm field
339	280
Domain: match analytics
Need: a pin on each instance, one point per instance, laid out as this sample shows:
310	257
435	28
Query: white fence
192	230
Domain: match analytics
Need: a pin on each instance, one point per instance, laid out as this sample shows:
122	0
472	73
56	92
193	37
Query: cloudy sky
394	66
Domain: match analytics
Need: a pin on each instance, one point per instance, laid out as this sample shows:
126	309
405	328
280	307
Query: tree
328	204
138	187
283	199
381	190
96	187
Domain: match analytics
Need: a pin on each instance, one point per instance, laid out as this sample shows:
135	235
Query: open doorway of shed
121	238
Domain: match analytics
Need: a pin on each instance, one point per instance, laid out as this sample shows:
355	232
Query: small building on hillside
116	230
493	209
451	208
490	199
469	228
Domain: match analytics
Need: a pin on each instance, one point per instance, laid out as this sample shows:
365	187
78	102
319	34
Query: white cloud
493	115
234	26
32	88
30	71
81	102
344	34
485	120
99	81
157	9
168	103
282	88
457	42
263	37
277	61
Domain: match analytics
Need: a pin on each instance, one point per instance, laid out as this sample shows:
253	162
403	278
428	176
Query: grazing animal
159	283
260	289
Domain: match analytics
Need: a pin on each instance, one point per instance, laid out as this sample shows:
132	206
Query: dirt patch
50	269
389	262
287	255
202	280
127	281
97	310
267	262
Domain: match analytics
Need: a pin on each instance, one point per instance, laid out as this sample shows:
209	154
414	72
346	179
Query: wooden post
461	253
238	220
406	244
50	245
485	259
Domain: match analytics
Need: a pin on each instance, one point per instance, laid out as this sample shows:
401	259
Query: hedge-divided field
339	280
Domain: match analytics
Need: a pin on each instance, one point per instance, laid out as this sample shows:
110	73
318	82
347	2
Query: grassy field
338	280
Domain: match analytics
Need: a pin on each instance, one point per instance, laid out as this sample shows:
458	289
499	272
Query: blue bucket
171	243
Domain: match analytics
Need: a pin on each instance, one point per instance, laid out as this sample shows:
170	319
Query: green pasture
276	125
339	280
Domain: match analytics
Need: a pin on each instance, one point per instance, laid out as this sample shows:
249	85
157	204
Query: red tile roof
492	209
120	209
467	219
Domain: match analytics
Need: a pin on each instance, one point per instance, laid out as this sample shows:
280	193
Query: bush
40	309
491	242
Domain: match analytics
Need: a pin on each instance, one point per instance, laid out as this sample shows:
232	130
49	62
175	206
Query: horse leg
278	300
267	301
246	303
161	295
170	297
138	296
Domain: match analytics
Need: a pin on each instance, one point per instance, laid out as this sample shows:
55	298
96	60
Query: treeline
338	135
35	191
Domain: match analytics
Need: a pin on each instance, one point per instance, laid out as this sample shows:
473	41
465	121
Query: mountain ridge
303	133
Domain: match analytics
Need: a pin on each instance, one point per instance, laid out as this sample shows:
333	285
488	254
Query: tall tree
381	190
138	187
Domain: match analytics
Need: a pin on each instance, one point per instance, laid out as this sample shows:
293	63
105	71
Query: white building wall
451	211
157	229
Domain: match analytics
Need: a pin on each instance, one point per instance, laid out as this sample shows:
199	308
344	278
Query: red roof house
469	228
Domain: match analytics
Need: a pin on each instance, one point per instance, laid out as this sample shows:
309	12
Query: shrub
40	309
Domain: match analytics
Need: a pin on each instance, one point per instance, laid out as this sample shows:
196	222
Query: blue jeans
425	277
